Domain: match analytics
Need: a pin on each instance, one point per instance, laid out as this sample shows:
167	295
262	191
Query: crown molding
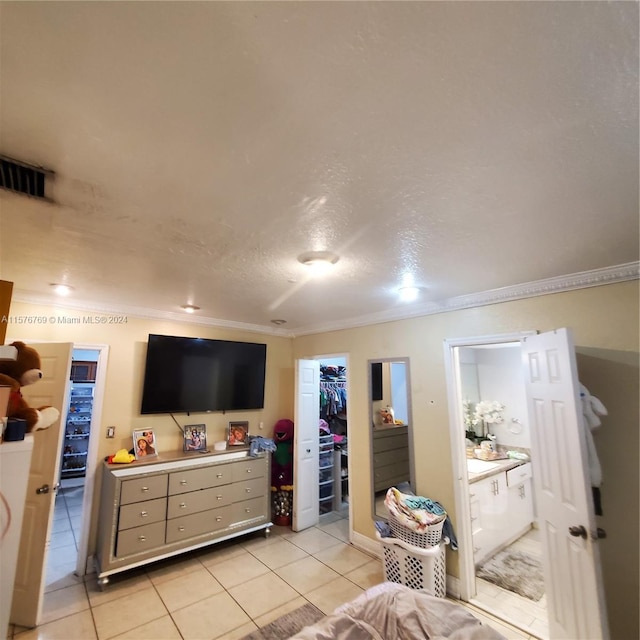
558	284
91	306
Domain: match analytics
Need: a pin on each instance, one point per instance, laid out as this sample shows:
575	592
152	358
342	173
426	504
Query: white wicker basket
429	538
414	567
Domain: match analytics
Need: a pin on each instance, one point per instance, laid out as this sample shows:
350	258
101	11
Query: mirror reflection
390	419
494	401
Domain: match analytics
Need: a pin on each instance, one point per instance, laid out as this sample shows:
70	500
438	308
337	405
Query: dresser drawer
141	513
248	489
139	489
250	468
396	456
194	479
186	503
140	539
198	524
249	509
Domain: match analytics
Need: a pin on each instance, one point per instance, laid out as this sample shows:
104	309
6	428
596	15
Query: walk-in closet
333	437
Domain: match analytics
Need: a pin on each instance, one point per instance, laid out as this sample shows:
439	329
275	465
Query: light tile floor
223	592
528	614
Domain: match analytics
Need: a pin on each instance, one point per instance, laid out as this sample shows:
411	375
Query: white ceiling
201	147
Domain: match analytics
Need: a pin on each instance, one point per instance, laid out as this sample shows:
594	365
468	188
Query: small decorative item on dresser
195	437
238	433
144	444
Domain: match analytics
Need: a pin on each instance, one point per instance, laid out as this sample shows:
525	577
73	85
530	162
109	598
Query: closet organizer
333	460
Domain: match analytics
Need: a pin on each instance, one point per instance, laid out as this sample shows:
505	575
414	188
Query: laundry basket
415	567
429	538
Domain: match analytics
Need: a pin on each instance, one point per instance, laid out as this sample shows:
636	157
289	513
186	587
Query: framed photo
144	444
238	434
195	437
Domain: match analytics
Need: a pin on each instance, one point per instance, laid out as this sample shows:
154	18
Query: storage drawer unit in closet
327	470
176	503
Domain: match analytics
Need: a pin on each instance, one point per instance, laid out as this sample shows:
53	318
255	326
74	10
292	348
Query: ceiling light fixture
190	308
61	289
318	261
408	294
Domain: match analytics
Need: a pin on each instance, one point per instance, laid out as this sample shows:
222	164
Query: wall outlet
111	432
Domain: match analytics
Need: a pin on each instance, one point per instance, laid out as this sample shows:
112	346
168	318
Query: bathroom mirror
390	421
495	374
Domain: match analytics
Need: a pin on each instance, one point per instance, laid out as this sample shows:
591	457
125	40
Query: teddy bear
22	371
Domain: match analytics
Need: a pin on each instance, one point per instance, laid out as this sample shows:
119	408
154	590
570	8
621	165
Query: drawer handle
472	495
248	470
248	490
218	518
476	549
180	528
218	497
472	518
143	514
183	505
248	510
183	482
144	489
219	475
142	538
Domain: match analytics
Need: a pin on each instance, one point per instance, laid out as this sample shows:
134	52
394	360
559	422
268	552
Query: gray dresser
176	503
390	457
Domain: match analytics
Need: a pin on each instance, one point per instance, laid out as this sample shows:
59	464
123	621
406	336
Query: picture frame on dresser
238	434
195	437
144	444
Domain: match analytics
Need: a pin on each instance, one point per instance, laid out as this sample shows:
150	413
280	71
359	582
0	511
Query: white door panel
50	390
305	445
572	573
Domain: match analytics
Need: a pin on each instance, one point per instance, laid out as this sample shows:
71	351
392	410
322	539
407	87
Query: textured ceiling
201	147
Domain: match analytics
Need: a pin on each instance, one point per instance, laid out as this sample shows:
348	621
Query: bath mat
287	625
516	571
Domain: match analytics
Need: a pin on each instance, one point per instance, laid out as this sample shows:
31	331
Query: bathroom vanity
501	502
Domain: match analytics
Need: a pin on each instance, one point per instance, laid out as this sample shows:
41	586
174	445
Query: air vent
24	178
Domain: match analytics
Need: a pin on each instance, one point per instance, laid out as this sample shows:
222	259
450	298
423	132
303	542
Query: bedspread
394	612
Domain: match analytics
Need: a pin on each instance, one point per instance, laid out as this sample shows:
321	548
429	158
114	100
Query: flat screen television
190	375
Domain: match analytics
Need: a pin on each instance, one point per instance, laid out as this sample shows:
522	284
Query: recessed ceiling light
319	261
408	294
190	308
279	321
61	289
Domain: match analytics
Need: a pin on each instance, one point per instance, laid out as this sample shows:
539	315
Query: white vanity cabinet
501	509
177	503
520	500
489	512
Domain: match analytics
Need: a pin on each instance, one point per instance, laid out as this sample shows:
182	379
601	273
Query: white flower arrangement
468	416
488	412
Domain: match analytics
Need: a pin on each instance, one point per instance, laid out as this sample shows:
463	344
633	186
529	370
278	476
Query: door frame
458	456
345	357
84	563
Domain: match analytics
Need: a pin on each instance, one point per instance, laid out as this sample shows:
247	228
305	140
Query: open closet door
305	445
565	513
44	472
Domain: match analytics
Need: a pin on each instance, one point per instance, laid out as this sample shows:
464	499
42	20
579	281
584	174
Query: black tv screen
187	375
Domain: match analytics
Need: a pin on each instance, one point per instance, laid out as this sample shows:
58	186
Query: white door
306	509
50	390
573	582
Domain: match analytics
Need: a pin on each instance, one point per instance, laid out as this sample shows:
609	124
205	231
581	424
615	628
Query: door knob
578	531
600	533
43	489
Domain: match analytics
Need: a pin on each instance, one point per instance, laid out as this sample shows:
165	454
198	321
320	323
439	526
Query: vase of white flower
487	413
